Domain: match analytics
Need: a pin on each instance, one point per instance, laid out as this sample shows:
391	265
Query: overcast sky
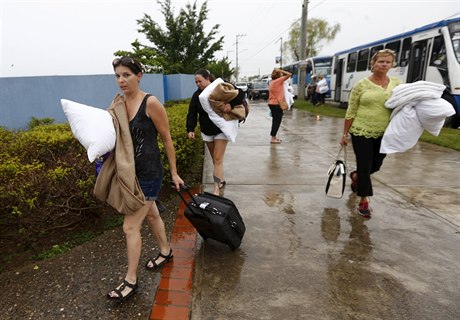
65	37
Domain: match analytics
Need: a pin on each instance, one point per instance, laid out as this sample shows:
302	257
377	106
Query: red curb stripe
173	299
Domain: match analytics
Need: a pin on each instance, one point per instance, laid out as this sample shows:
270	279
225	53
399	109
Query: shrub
187	151
46	184
35	122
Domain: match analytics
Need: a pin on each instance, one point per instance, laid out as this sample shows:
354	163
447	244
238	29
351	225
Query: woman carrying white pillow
215	139
147	119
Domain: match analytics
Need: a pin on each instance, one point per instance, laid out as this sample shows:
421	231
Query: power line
288	28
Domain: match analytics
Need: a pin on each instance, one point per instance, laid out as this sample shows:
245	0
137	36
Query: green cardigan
366	107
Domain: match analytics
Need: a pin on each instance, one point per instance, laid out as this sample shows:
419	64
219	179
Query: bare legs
158	229
217	150
132	228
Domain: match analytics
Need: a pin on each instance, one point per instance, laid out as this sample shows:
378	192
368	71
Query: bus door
418	61
338	80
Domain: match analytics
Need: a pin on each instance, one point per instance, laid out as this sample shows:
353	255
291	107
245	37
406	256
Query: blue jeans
151	188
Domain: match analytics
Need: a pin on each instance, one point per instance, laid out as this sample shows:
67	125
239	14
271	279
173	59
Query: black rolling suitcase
214	217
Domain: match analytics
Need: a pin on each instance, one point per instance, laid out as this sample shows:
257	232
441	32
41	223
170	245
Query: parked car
242	85
258	90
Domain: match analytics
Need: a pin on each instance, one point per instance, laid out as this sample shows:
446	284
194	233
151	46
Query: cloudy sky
74	37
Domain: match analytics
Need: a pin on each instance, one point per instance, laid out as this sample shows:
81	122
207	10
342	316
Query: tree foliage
183	46
318	32
221	68
145	55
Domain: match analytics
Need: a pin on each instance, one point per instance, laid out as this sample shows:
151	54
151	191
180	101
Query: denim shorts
151	188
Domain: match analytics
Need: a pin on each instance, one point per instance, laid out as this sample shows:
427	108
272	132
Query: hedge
46	180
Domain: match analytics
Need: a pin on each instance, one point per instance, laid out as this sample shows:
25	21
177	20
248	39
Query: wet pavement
307	256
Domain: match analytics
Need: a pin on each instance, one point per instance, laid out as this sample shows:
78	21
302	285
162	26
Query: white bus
430	53
315	65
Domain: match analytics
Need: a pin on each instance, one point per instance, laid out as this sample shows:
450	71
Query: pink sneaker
364	209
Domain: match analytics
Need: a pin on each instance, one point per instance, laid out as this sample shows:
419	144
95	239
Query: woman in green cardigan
365	121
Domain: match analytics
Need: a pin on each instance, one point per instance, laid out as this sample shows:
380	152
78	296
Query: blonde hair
383	52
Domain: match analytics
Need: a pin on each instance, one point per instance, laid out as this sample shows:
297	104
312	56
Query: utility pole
237	71
303	53
281	52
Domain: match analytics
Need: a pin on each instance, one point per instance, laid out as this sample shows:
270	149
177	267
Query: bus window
395	46
438	55
363	60
309	66
351	62
294	68
322	65
405	52
454	31
456	45
418	61
376	49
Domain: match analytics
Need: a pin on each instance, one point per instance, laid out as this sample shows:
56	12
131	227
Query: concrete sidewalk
307	256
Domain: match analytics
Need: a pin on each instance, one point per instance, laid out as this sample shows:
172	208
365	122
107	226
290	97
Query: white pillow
228	127
93	127
402	132
432	114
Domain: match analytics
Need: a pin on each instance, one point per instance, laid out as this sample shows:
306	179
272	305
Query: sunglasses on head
126	61
386	51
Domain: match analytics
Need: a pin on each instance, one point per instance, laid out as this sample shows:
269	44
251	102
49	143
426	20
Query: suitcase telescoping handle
183	187
195	204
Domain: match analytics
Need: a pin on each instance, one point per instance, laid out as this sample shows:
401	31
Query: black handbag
336	176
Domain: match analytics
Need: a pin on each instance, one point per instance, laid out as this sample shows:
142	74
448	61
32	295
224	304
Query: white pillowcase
402	132
93	127
432	114
228	127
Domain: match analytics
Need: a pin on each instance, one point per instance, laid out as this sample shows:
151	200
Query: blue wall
178	86
25	97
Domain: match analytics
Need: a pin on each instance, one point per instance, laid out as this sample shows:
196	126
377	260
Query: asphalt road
307	256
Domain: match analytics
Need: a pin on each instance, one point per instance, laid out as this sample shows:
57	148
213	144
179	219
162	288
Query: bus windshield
323	65
454	30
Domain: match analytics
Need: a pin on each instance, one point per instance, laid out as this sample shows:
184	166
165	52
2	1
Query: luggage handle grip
195	203
184	187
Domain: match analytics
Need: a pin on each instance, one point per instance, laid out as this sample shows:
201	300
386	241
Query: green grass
77	239
449	138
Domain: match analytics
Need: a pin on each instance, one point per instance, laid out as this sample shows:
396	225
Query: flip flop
276	141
